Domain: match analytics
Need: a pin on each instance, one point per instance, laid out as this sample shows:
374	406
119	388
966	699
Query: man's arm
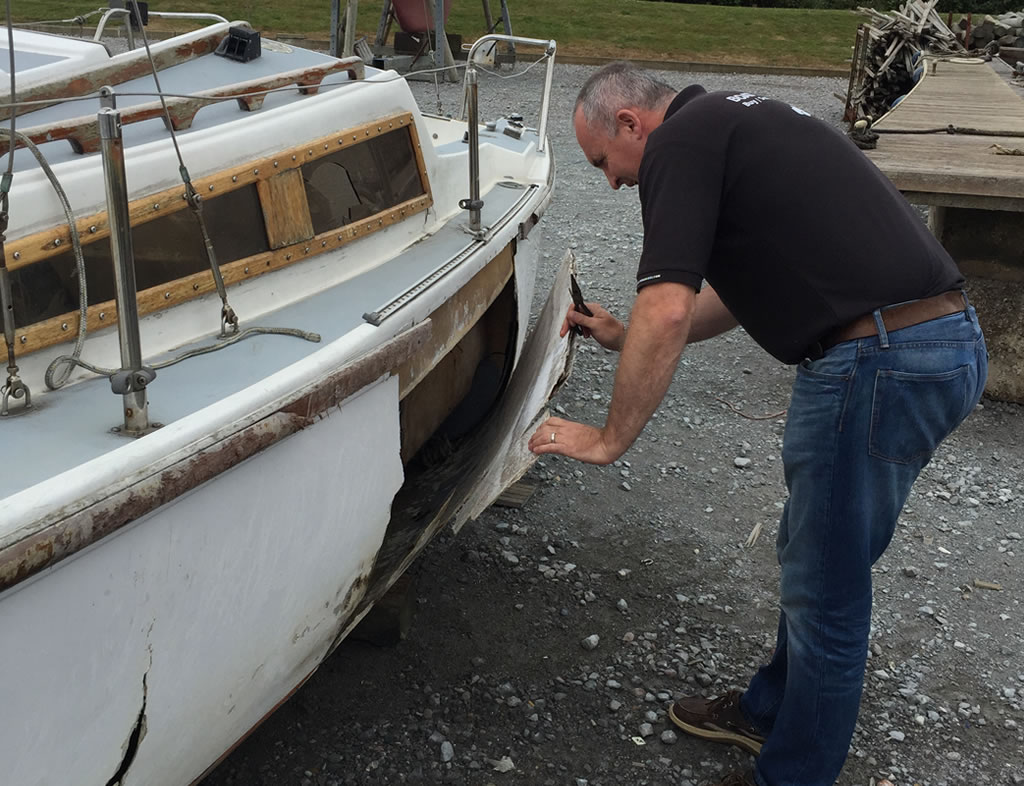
658	328
710	317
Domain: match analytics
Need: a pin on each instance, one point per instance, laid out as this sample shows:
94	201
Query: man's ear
628	121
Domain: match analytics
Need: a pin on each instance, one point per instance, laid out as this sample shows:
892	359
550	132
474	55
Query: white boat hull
170	639
160	596
187	627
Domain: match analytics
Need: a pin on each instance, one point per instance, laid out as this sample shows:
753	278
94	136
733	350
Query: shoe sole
751	746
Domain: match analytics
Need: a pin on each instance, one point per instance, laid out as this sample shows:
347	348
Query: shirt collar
685	95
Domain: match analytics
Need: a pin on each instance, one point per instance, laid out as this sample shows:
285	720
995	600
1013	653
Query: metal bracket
15	389
128	381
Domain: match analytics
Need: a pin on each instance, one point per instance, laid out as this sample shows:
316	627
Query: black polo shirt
793	226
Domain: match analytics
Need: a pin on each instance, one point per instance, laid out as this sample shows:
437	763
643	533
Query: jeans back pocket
912	413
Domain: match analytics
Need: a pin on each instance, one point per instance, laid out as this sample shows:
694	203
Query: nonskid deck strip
377	317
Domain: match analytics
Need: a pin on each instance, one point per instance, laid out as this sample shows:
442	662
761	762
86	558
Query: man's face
617	156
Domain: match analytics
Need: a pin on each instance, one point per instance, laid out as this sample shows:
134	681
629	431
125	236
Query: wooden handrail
122	68
83	132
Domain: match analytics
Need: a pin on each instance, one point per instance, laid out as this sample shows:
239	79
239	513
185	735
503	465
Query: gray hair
616	86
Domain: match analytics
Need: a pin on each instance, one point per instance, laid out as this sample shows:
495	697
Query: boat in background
265	324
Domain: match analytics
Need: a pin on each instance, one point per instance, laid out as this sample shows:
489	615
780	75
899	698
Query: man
804	243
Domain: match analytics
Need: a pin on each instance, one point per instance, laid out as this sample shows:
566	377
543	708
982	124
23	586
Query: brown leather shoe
738	779
719	720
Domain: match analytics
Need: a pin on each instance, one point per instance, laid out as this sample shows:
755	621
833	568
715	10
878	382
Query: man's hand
605	329
575	440
658	327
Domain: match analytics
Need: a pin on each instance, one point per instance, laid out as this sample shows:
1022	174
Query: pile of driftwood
886	56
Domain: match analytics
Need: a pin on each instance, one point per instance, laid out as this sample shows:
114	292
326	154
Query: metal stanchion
474	203
131	381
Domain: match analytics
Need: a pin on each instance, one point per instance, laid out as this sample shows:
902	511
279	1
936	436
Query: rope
72	362
514	75
431	52
743	414
950	129
77	20
76	244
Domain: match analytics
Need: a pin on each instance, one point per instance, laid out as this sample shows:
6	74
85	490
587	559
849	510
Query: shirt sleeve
681	185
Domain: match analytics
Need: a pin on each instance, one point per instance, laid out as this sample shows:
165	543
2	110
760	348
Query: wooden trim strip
122	68
57	330
55	240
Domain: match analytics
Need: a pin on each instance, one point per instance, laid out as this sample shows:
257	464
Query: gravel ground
548	641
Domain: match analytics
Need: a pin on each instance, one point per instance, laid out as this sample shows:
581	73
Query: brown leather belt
897	317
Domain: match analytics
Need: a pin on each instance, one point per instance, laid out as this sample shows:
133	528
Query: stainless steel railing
471	113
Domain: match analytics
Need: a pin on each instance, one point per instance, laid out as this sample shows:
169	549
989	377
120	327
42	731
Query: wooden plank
963	92
285	208
972	201
950	164
516	495
963	167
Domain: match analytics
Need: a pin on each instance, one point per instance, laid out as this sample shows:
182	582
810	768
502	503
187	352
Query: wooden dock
950	145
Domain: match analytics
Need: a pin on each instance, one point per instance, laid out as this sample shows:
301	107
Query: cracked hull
170	639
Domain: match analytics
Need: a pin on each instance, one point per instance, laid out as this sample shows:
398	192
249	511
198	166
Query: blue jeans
864	420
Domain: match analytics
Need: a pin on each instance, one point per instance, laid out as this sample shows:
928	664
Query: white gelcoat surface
224	601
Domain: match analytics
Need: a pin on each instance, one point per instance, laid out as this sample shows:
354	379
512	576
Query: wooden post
333	49
384	26
343	28
487	16
856	73
351	14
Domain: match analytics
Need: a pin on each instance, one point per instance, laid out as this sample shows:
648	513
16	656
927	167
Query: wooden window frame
51	242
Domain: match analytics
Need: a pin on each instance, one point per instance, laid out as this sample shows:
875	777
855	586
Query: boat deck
67	418
179	80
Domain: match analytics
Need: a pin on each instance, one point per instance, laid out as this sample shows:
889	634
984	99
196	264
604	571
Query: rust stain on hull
72	531
345	612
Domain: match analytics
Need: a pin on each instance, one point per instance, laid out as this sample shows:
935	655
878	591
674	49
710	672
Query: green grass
604	28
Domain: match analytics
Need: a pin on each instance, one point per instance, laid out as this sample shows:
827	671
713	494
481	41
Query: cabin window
166	249
262	216
361	180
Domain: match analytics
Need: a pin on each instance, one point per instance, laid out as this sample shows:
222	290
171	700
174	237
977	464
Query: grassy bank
608	28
